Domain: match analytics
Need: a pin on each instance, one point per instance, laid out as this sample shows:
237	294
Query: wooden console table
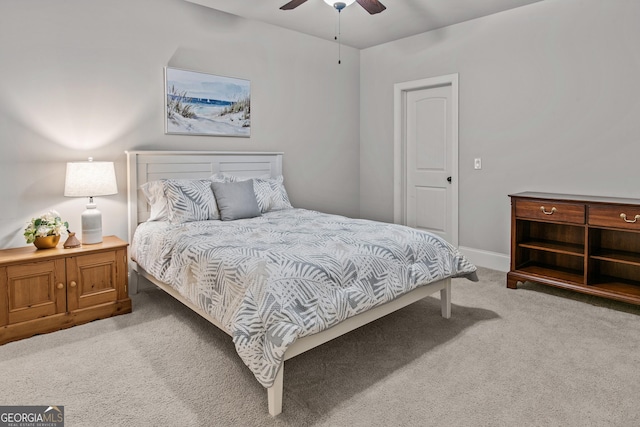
586	244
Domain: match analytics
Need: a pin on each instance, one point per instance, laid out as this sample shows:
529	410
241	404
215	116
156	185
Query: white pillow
154	192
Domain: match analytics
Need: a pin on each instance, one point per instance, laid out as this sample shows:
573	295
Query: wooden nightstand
50	289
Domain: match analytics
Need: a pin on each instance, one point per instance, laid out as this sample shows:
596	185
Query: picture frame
198	103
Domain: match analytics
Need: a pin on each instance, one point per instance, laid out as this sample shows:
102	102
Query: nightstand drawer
550	210
615	216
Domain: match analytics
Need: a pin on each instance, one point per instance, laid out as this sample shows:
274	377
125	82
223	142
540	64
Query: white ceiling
402	18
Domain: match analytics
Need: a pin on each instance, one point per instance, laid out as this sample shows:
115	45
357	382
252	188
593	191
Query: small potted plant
44	232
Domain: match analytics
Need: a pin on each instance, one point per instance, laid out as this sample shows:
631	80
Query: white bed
146	166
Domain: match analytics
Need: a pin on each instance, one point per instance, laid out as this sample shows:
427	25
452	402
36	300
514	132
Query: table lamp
90	179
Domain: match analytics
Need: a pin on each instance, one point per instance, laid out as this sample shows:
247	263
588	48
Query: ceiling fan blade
292	4
371	6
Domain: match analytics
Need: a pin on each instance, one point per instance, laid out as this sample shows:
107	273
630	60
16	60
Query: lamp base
91	225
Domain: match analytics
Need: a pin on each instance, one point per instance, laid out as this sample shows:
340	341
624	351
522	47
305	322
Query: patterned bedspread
291	273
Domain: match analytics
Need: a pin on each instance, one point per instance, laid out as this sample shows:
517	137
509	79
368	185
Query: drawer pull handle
548	213
624	217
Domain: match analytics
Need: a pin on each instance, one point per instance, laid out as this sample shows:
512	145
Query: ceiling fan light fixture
333	3
371	6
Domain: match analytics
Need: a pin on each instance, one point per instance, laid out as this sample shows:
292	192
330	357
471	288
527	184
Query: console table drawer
550	210
615	216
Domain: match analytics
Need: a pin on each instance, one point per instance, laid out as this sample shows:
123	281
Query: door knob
448	179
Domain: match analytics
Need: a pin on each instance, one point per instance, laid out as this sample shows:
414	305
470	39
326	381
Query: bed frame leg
274	393
445	300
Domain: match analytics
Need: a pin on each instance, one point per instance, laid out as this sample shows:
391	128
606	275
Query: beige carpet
533	356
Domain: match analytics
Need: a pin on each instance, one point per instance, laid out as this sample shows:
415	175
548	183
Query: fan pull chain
339	38
339	6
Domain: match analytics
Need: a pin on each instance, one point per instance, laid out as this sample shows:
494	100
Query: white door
429	137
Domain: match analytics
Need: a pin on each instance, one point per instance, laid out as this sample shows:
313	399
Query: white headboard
145	166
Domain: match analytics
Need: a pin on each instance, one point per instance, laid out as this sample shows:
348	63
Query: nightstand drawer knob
73	284
624	217
60	285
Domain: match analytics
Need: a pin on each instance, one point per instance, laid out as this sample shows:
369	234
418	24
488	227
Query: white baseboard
488	259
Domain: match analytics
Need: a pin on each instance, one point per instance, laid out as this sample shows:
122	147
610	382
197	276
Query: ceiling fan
371	6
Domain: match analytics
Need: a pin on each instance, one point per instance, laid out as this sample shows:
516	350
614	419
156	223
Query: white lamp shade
90	179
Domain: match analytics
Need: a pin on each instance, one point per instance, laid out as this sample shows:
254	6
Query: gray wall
84	78
549	99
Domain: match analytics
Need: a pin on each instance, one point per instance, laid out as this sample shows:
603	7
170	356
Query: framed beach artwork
205	104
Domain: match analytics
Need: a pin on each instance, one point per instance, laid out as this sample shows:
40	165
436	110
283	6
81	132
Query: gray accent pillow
270	192
236	200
